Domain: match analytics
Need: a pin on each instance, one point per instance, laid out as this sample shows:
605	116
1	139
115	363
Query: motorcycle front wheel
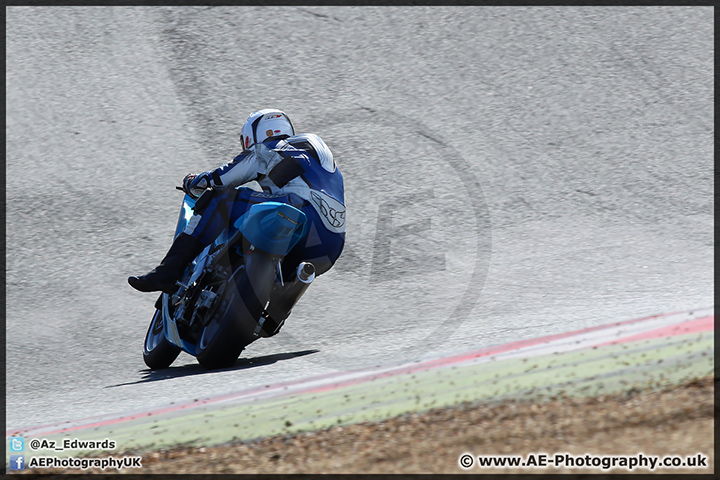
158	352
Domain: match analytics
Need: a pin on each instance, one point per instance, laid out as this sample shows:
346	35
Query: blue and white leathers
298	170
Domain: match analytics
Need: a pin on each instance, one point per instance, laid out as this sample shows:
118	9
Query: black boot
163	277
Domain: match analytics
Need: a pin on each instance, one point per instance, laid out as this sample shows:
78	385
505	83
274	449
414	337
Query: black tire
233	323
158	352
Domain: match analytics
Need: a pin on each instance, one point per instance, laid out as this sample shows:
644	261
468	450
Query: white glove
196	184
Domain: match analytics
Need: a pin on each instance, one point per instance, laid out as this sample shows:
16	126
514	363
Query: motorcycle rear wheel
232	325
221	342
158	352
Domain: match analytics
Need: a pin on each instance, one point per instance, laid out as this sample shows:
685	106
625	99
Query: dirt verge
672	421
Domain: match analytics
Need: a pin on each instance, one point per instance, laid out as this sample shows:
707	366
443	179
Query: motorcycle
233	292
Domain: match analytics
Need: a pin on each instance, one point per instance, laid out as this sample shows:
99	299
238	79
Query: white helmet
263	124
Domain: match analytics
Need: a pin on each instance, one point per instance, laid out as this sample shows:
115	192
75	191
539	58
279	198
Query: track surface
510	173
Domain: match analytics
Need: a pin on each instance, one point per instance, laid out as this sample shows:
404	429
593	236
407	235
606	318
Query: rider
298	170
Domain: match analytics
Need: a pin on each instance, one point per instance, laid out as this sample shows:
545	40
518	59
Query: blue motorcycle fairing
170	328
273	227
186	212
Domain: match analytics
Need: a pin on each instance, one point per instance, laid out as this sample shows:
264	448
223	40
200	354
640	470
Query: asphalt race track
510	173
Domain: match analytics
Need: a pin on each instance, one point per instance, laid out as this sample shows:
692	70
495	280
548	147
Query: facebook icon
17	462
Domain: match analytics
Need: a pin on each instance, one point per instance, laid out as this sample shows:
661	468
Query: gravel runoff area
657	421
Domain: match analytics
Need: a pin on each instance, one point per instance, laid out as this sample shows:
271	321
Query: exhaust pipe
284	299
